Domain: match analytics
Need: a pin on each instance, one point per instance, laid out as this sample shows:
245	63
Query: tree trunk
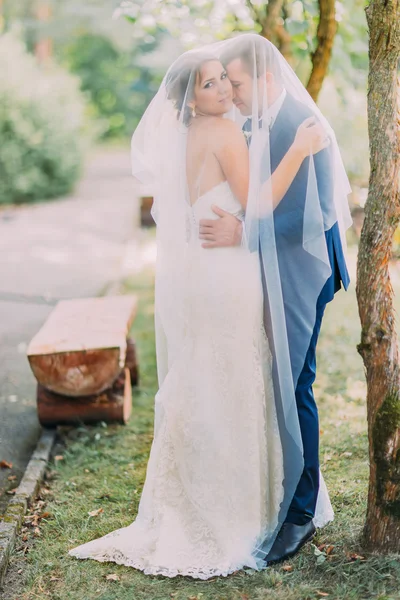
272	28
379	343
44	46
326	32
131	361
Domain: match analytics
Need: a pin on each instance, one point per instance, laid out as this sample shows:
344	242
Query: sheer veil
159	158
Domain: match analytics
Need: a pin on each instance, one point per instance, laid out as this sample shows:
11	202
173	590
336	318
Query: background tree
292	25
271	18
43	45
379	342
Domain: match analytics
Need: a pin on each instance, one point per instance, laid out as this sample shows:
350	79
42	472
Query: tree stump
131	361
112	405
146	203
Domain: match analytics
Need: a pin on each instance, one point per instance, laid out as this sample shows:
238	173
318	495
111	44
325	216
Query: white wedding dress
214	476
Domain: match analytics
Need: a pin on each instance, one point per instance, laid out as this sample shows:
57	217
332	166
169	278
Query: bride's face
213	90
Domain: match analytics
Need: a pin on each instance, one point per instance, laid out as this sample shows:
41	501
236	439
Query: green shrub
41	115
117	85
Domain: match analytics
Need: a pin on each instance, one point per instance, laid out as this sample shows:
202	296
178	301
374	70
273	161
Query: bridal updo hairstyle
181	81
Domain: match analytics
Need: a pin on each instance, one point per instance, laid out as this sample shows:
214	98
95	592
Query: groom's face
242	85
266	88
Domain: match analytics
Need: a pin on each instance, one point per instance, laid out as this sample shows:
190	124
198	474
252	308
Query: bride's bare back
216	152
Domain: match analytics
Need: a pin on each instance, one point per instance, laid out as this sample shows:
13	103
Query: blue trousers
302	507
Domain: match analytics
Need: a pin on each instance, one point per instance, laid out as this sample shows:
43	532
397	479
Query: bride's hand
311	137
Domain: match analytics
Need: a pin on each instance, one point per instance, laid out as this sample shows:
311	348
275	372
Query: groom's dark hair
256	56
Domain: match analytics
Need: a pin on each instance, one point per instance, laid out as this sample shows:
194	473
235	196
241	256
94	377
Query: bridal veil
159	159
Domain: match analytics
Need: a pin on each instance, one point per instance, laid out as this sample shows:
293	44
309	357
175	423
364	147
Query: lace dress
214	476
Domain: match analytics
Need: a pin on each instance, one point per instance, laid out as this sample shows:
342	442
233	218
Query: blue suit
297	267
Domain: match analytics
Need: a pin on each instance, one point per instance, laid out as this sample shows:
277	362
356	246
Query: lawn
104	467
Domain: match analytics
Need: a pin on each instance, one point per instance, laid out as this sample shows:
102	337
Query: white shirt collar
275	107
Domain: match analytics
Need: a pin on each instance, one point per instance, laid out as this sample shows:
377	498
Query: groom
285	115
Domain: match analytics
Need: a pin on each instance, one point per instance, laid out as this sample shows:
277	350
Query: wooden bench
84	361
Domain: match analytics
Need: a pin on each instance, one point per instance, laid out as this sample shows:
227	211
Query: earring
193	112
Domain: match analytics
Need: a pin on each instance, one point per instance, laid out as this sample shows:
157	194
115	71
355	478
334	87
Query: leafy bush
41	114
118	88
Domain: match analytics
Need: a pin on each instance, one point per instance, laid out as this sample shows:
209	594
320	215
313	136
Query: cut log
146	203
81	348
111	406
131	361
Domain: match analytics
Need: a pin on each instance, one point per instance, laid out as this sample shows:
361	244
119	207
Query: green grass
104	467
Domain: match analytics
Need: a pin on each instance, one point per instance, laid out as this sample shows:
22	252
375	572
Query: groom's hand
222	232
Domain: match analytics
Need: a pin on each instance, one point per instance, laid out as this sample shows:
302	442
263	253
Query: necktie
247	126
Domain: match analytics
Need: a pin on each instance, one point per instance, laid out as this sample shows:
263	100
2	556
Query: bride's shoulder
227	132
228	126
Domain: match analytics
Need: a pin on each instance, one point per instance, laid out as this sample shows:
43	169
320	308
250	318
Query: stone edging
25	493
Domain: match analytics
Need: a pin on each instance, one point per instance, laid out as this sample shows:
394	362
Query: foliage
202	21
118	88
41	112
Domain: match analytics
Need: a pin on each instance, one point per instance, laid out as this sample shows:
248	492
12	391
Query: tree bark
44	46
272	25
131	361
321	57
379	343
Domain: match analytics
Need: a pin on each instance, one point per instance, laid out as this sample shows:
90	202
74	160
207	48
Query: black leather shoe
289	540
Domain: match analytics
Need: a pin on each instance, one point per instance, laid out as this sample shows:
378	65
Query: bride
216	489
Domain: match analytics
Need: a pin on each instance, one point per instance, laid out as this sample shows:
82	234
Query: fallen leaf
322	593
321	556
54	578
287	568
35	521
59	457
330	549
355	556
25	537
12	477
112	577
11	492
95	513
19	571
5	465
37	531
28	519
45	515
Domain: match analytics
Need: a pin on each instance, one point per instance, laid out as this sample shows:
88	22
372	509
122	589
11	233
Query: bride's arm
227	230
310	139
233	156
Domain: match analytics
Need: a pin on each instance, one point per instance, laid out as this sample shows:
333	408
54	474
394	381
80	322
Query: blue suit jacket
297	267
